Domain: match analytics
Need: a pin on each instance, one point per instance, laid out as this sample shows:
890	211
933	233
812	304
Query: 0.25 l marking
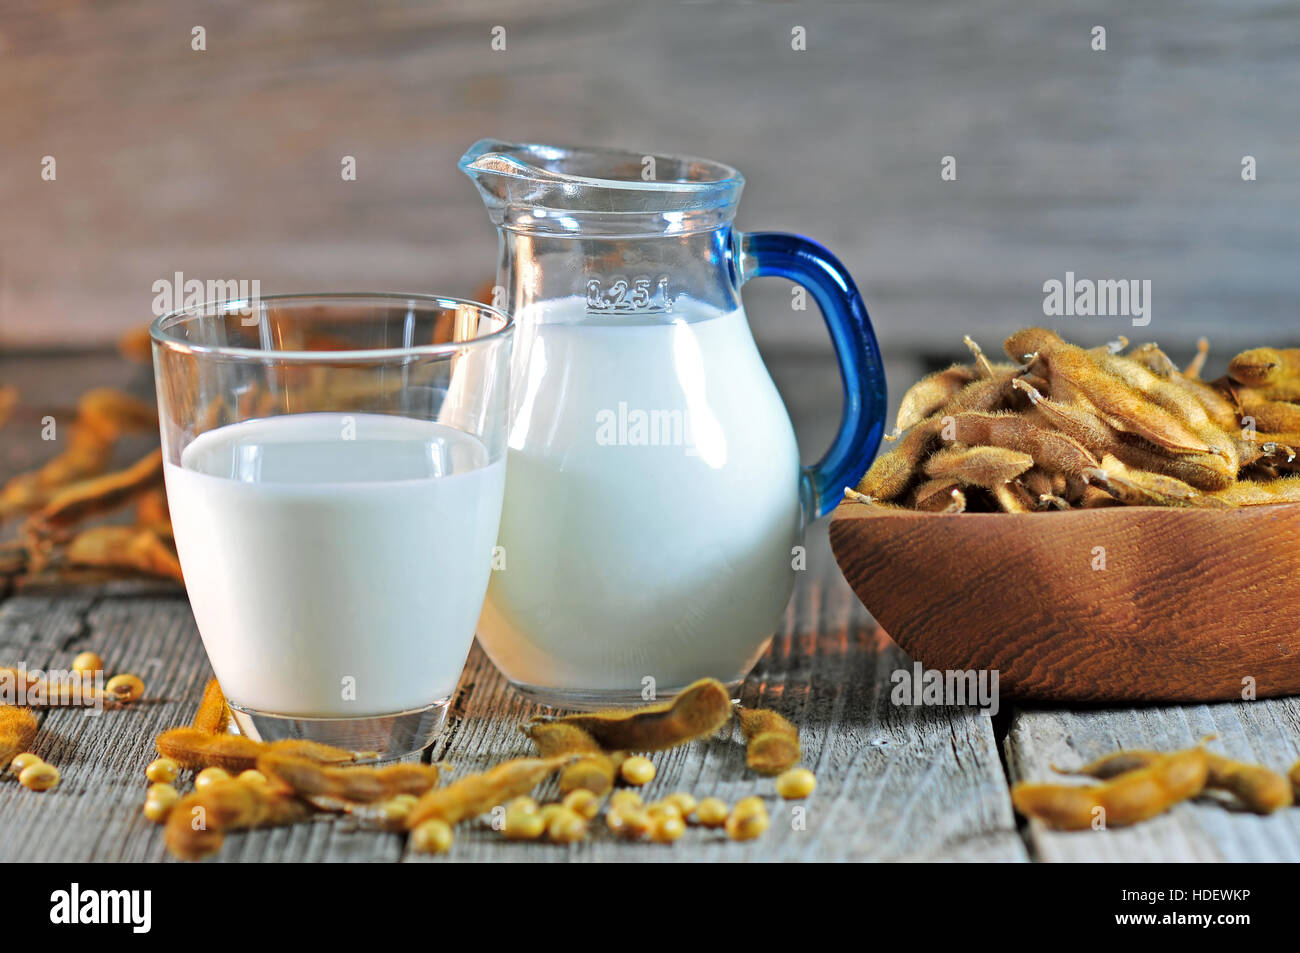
640	295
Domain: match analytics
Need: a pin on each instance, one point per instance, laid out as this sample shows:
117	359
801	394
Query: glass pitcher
654	499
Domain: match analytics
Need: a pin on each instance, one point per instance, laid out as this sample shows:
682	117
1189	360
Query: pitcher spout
592	191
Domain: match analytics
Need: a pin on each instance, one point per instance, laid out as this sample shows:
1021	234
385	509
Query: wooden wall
226	163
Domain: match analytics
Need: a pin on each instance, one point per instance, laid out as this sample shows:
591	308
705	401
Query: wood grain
1188	605
893	783
94	814
1265	732
900	784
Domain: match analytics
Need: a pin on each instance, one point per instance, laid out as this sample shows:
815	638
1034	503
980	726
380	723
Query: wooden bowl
1119	605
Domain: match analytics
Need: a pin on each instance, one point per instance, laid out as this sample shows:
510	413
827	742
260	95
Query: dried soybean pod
87	455
213	716
100	494
1276	416
699	710
1140	488
929	394
197	824
194	749
1207	403
358	785
1197	364
892	472
1079	423
477	794
1220	410
1051	450
17	732
935	496
1254	368
1012	498
1284	388
112	412
1251	493
771	742
1121	404
1080	375
1027	343
124	547
1259	789
1173	396
1264	365
1127	799
978	466
594	771
558	737
1038	482
1153	359
987	393
1206	471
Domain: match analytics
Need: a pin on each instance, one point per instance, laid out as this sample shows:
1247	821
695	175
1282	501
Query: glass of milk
335	466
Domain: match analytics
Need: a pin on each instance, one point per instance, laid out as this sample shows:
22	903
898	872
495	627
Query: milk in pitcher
640	493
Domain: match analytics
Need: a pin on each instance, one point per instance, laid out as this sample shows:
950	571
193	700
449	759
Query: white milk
632	549
315	563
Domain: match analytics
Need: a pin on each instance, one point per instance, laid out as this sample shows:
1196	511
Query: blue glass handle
862	372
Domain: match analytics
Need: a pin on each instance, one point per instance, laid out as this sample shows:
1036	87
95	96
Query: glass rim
161	335
719	181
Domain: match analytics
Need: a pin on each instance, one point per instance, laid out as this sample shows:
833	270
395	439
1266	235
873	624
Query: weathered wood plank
94	813
926	782
1266	732
893	784
822	680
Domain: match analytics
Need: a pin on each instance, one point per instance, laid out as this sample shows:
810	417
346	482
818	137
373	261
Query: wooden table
894	783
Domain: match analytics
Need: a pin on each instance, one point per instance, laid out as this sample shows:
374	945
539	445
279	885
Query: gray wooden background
226	163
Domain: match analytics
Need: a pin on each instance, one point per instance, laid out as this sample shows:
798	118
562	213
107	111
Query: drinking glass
335	466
